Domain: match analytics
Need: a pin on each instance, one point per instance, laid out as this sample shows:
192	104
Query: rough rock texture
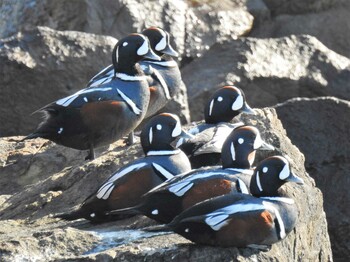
268	70
43	65
30	211
300	6
40	66
194	25
331	27
320	127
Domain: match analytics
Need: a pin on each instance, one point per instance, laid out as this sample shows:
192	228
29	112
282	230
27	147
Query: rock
33	206
320	127
300	6
331	27
41	66
193	25
268	70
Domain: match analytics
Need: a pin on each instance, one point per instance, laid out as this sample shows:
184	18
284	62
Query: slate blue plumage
126	186
243	220
98	116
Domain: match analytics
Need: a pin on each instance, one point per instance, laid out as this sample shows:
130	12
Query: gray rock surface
40	66
268	70
29	211
300	6
320	127
193	25
331	27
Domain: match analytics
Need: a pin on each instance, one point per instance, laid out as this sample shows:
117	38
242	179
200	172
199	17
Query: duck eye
220	98
265	169
125	43
159	127
240	141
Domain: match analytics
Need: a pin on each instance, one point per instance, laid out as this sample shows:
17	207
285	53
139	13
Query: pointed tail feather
76	214
126	211
158	228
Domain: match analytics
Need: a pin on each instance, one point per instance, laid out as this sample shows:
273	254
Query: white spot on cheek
159	127
92	215
60	130
240	140
85	99
125	43
265	169
220	98
155	212
187	230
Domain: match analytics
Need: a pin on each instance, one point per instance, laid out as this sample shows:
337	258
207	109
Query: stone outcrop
268	70
30	210
330	26
194	25
40	66
320	127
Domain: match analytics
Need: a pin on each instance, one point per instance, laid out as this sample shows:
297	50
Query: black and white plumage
165	75
204	148
241	220
188	189
125	187
94	117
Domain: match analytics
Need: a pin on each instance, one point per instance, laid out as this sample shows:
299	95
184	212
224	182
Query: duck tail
76	214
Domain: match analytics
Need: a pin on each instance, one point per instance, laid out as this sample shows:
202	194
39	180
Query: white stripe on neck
163	152
170	63
127	77
133	106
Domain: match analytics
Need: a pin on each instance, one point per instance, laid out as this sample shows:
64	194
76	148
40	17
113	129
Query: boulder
300	6
320	127
30	212
269	71
40	66
331	27
194	25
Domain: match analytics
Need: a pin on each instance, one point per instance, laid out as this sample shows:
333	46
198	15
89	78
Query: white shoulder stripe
269	206
133	106
162	83
243	186
167	175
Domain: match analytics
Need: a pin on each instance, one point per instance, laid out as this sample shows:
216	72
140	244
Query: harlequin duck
125	187
95	117
204	148
166	76
185	190
241	220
